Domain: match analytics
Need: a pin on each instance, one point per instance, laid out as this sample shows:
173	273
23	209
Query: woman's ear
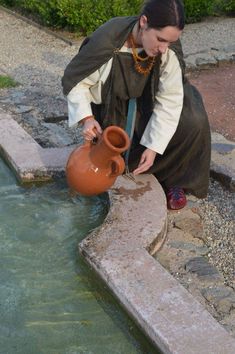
143	22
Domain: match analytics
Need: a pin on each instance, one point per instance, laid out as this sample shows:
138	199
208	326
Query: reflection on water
49	302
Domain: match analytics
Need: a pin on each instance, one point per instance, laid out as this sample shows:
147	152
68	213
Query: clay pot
93	167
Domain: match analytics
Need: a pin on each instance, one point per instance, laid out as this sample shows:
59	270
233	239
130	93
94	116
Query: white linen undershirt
167	108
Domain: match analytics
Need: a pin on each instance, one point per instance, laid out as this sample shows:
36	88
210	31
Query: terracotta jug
93	167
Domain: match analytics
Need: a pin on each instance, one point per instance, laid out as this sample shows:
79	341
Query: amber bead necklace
144	70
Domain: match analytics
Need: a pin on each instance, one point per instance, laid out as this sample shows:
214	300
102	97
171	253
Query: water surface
50	302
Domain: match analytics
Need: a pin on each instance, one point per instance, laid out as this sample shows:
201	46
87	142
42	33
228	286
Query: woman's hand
146	161
90	128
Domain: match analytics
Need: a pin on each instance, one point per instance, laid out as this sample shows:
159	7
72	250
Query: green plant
195	10
227	7
84	16
8	2
7	81
126	8
47	10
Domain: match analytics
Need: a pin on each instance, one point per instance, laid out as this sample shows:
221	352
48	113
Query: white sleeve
86	91
168	106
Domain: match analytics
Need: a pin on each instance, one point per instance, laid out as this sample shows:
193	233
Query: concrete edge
29	161
119	252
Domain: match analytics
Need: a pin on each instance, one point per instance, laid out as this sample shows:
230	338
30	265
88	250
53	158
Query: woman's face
155	41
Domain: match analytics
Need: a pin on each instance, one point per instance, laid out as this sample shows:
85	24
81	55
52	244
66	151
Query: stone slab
120	250
223	160
25	156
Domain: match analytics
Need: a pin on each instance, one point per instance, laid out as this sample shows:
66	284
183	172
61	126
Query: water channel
50	301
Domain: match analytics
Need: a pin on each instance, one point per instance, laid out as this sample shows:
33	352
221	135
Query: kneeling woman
135	64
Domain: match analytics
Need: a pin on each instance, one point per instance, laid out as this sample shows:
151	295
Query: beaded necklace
144	70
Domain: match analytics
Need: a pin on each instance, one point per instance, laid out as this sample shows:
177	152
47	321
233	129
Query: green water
50	302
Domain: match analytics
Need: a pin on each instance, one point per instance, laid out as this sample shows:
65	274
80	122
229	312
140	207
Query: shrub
85	16
126	8
195	10
226	7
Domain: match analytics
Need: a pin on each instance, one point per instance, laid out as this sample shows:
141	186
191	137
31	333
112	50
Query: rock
190	62
223	148
163	259
201	267
57	135
223	161
224	306
219	293
199	250
223	57
229	322
189	222
222	297
206	60
19	109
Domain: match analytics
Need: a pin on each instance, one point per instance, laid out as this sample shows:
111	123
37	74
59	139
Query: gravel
218	214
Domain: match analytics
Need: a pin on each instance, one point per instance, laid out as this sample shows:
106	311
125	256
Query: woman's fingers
90	129
89	134
146	161
98	127
142	168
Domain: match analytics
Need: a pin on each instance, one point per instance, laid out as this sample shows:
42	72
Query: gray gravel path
31	56
214	33
41	58
218	214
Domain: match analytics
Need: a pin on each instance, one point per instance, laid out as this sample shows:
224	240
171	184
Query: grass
7	81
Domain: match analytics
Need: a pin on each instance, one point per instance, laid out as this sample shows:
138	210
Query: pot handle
117	166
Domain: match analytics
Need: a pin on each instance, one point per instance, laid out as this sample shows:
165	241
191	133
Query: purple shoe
175	198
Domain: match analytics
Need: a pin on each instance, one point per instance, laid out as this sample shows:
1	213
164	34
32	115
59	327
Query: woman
137	62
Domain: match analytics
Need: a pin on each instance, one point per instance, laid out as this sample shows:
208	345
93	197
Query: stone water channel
50	300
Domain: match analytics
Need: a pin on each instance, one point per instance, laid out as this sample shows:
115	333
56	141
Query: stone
223	148
201	267
224	306
206	61
223	161
189	222
190	62
229	321
223	57
199	250
57	135
219	293
164	259
22	109
223	171
229	49
222	297
17	145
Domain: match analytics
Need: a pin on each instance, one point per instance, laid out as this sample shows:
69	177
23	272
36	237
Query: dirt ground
217	86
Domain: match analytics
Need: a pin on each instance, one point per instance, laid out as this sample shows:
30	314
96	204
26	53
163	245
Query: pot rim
123	134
